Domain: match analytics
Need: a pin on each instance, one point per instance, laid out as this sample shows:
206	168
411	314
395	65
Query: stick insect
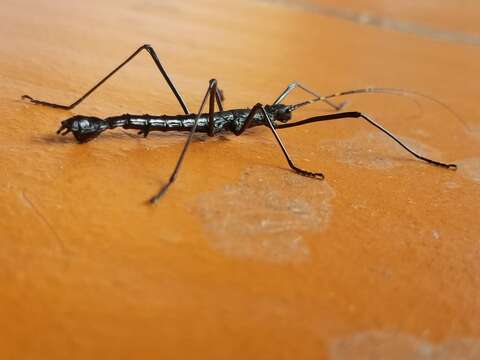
274	116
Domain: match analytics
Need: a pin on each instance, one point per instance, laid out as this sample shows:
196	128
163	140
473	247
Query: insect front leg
371	121
157	62
296	84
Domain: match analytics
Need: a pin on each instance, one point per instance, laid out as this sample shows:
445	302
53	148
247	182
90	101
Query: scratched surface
242	259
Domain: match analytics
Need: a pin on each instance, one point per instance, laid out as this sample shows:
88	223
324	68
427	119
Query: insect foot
84	128
309	174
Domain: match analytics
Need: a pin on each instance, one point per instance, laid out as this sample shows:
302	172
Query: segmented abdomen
223	120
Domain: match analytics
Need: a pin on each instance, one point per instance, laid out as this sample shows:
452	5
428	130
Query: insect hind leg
212	94
157	62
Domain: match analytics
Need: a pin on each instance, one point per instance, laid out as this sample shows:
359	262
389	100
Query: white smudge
474	131
375	151
264	214
470	168
375	345
452	185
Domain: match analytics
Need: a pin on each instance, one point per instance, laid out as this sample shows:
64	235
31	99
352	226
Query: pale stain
375	151
470	168
376	345
265	213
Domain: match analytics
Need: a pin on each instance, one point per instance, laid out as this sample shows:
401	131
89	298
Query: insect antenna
378	90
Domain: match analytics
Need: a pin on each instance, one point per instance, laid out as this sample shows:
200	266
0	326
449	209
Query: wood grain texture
242	258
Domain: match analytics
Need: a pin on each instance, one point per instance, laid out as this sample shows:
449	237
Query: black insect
274	116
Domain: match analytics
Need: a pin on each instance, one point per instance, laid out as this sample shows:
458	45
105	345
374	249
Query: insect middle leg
268	122
157	62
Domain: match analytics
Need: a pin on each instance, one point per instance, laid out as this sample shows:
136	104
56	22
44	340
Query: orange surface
242	258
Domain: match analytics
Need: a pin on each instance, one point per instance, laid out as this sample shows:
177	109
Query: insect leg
213	94
369	119
155	58
259	108
295	84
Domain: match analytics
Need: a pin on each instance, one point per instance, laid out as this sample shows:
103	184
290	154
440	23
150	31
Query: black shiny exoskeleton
275	116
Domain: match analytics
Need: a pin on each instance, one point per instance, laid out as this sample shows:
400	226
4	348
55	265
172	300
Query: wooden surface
242	259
